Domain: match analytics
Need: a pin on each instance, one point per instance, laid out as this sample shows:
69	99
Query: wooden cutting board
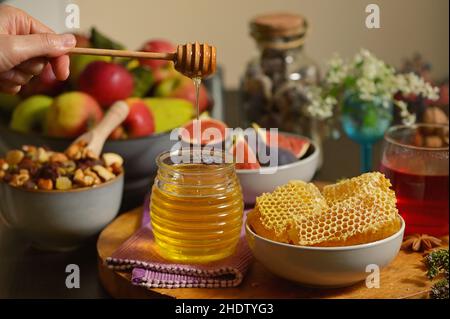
404	278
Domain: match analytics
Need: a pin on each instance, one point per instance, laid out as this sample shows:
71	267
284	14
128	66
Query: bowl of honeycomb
331	238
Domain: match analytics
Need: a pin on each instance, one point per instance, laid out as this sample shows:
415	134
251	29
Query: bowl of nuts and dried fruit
59	199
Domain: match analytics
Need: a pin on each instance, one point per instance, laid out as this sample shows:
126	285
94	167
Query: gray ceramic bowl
324	266
60	220
139	157
265	180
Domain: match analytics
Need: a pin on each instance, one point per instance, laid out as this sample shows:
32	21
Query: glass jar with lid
275	84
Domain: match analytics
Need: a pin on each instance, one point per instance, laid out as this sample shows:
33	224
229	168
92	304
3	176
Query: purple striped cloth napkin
139	255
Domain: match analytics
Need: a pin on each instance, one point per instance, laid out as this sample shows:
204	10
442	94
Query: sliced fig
243	155
297	145
206	131
267	137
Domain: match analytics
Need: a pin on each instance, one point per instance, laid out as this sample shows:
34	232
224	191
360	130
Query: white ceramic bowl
324	266
60	220
254	182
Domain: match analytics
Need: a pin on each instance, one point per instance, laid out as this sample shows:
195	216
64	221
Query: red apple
72	114
140	121
106	82
183	87
157	45
45	83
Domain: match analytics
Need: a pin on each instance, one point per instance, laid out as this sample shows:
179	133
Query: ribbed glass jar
196	208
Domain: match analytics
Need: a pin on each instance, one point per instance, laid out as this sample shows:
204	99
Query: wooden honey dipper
191	59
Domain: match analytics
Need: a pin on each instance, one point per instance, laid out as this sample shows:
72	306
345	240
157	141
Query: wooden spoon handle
124	53
117	113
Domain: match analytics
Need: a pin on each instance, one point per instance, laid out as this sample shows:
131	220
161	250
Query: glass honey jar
196	207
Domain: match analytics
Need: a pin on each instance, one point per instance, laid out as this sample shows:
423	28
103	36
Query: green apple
29	115
8	102
169	113
71	114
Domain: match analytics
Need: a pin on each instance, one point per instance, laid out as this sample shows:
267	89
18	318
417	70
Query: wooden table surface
403	278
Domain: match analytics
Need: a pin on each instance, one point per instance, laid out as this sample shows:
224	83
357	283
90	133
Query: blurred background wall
407	26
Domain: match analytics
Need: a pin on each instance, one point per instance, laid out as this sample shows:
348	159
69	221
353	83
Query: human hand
26	46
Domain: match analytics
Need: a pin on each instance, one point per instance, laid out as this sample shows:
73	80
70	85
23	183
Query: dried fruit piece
63	183
45	184
103	173
14	157
112	158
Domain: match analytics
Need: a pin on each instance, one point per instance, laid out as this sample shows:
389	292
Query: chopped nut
3	165
19	179
14	157
58	158
63	183
42	155
116	169
87	153
94	175
70	166
112	158
78	176
46	184
103	173
29	148
88	181
74	151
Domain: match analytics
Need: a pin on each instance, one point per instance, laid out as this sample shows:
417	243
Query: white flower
319	107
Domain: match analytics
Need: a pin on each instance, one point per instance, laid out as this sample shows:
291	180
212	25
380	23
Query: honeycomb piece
354	211
362	184
359	219
277	211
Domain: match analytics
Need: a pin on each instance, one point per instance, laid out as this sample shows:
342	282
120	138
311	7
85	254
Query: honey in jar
196	207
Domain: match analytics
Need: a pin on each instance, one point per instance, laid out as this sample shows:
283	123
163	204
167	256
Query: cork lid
278	25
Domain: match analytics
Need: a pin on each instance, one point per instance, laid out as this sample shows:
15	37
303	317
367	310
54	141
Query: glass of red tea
415	159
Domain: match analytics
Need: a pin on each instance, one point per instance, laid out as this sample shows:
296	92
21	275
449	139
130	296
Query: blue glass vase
365	123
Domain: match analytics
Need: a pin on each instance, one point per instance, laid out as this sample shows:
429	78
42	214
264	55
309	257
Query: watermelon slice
243	155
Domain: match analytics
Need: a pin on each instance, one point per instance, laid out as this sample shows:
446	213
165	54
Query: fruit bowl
139	157
254	182
329	267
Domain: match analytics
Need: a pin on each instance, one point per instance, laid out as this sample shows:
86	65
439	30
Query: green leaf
100	41
143	81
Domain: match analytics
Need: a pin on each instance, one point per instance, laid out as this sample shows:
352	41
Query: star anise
420	242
